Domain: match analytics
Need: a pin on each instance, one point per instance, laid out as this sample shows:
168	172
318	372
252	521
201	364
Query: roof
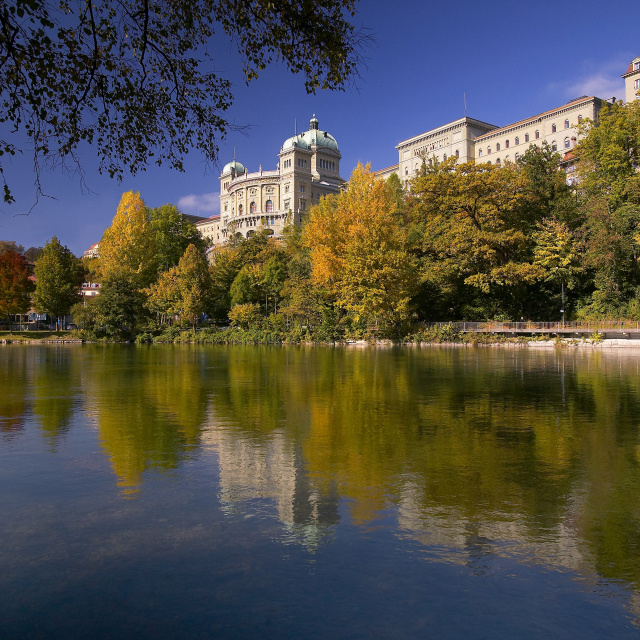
630	68
537	116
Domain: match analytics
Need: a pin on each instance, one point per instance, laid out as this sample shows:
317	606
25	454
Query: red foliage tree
15	285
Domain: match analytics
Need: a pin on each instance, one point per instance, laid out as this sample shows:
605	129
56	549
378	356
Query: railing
541	327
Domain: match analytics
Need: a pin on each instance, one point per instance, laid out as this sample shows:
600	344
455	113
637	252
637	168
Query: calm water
248	492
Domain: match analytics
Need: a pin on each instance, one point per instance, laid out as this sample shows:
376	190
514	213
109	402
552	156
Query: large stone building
468	139
309	168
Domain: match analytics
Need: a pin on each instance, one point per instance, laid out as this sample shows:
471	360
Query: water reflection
476	454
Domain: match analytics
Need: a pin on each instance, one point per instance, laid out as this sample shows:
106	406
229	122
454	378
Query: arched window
479	153
252	207
488	151
498	161
517	157
457	153
269	206
537	134
498	146
553	128
567	143
506	144
517	140
239	209
526	137
554	146
444	157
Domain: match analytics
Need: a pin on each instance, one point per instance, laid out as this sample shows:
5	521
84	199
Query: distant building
468	139
632	81
92	251
309	168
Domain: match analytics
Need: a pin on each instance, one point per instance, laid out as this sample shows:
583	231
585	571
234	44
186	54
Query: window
303	205
286	188
517	157
553	128
567	143
301	188
252	207
479	153
239	210
517	140
457	153
636	66
498	162
406	171
579	119
287	204
526	137
506	144
498	146
566	124
269	206
636	84
488	151
554	146
444	157
537	134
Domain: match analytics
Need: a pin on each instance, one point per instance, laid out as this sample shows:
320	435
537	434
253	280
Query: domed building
309	168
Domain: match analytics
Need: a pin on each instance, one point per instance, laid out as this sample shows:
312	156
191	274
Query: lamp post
562	288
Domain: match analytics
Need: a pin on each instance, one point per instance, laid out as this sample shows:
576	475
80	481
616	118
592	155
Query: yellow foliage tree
359	253
127	248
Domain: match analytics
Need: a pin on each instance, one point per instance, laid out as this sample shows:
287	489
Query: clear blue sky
512	60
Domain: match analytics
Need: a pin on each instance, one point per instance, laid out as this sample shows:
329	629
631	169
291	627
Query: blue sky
512	60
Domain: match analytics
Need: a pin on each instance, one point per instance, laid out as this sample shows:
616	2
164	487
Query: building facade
632	80
308	169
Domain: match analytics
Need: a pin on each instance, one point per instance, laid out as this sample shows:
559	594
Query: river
318	492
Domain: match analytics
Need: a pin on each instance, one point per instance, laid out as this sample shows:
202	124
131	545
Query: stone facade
309	169
632	80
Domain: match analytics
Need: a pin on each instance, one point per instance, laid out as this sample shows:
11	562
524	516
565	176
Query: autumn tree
15	285
134	79
59	276
358	252
127	248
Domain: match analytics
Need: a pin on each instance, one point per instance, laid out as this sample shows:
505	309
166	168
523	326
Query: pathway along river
253	492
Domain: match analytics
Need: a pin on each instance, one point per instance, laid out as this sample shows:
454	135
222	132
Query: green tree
134	79
194	285
610	186
173	233
59	276
475	245
15	285
10	245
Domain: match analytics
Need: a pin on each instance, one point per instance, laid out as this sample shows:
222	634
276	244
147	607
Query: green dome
318	138
295	141
233	165
312	137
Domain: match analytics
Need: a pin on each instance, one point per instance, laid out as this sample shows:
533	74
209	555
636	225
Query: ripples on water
252	492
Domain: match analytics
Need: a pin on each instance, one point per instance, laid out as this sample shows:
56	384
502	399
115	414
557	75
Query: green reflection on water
482	450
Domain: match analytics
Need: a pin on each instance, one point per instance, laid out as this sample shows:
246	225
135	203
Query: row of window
327	164
253	208
567	125
286	164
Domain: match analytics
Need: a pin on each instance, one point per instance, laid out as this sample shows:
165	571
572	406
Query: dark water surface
249	492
